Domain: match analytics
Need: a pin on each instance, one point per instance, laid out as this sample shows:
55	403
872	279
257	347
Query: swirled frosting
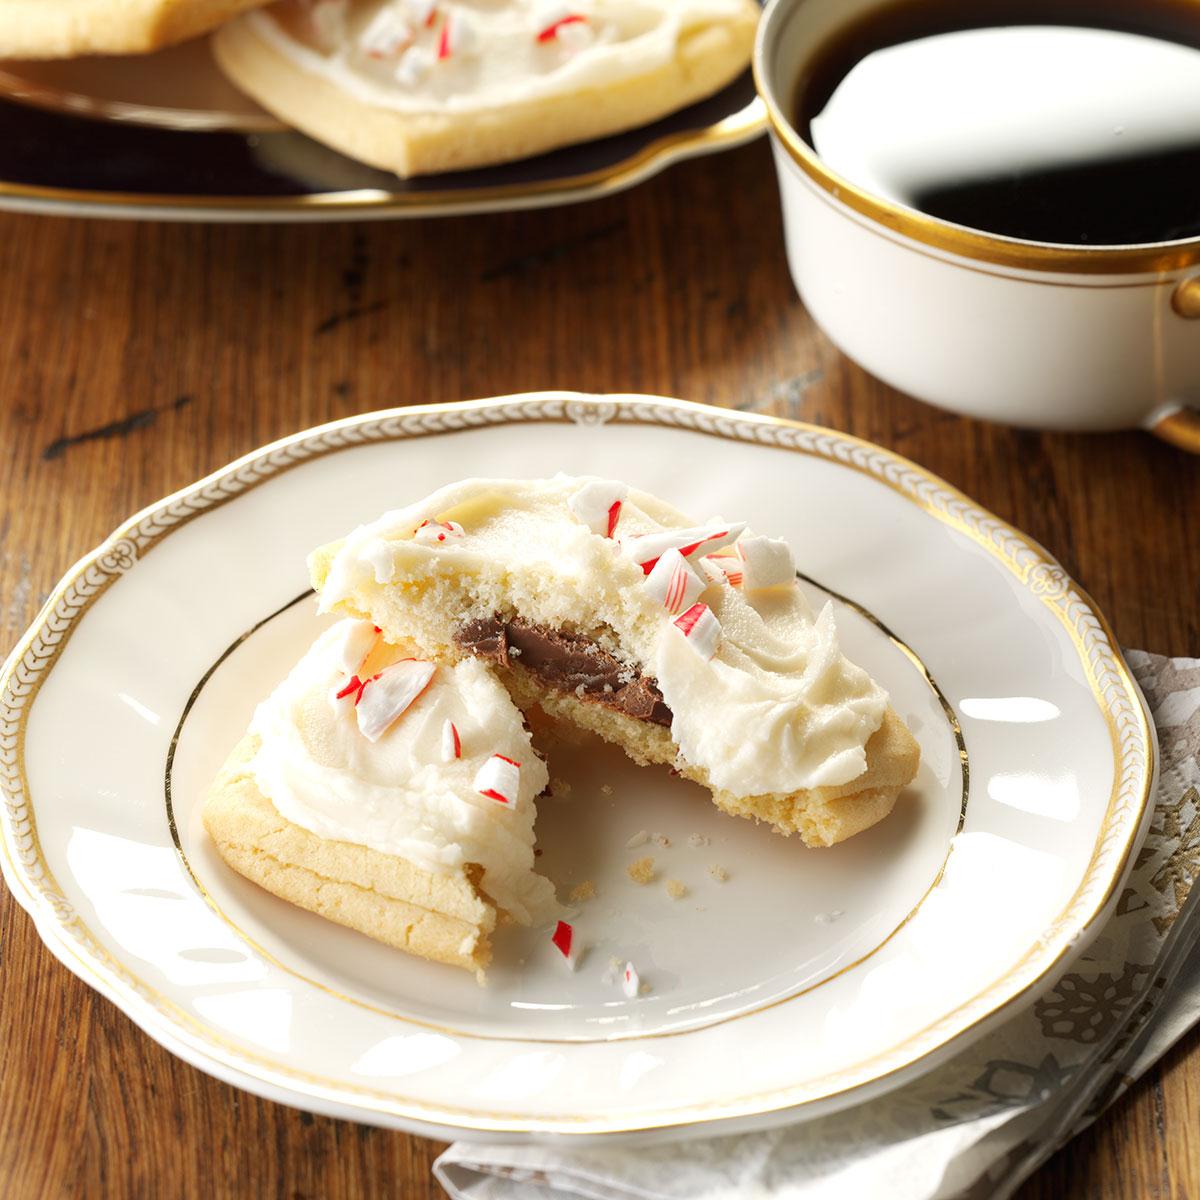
397	795
776	709
464	55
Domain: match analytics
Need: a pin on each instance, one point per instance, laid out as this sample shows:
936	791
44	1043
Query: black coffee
1069	121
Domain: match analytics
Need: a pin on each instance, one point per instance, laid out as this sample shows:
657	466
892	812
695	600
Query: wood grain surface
136	357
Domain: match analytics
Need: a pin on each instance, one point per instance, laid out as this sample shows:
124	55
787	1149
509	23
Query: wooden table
135	358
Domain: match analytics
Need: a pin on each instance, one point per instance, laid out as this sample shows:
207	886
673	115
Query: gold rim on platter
731	131
1115	692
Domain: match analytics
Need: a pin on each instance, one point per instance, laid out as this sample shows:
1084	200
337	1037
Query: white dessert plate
167	136
803	981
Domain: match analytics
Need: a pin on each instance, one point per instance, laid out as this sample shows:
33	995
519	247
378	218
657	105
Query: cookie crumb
639	839
583	891
641	870
696	840
560	788
661	839
718	873
606	789
676	890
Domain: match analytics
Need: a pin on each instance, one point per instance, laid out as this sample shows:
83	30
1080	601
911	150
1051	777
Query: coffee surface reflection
1026	122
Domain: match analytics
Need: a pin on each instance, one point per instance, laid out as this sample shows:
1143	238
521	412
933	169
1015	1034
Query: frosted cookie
69	28
687	645
420	86
393	797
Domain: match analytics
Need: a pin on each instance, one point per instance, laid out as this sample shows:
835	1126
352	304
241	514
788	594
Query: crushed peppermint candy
630	980
420	12
766	562
575	35
451	742
386	35
385	697
701	629
352	689
598	505
499	779
567	943
725	566
430	533
551	17
673	583
358	642
639	839
415	63
458	37
828	918
647	548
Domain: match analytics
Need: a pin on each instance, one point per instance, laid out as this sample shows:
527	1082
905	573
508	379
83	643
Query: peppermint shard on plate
417	86
686	643
356	794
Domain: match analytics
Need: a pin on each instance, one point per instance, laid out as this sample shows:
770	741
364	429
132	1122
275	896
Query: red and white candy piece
451	742
648	548
766	562
420	12
386	35
352	690
415	63
701	628
499	779
673	583
565	940
458	37
598	505
552	17
357	642
432	533
724	566
630	980
388	695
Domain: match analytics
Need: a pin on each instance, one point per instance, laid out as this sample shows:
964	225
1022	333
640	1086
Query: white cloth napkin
980	1124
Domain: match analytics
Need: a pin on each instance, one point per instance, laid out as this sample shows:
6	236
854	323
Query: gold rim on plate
1117	696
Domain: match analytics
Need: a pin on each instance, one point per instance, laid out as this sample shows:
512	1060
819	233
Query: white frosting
398	795
497	56
778	708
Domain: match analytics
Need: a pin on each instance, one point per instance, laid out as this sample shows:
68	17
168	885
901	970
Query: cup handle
1177	423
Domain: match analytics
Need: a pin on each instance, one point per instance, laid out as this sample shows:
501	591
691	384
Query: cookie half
390	795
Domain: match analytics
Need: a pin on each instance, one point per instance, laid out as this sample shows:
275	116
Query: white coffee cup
1058	337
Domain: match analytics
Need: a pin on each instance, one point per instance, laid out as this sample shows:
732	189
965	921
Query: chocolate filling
566	662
